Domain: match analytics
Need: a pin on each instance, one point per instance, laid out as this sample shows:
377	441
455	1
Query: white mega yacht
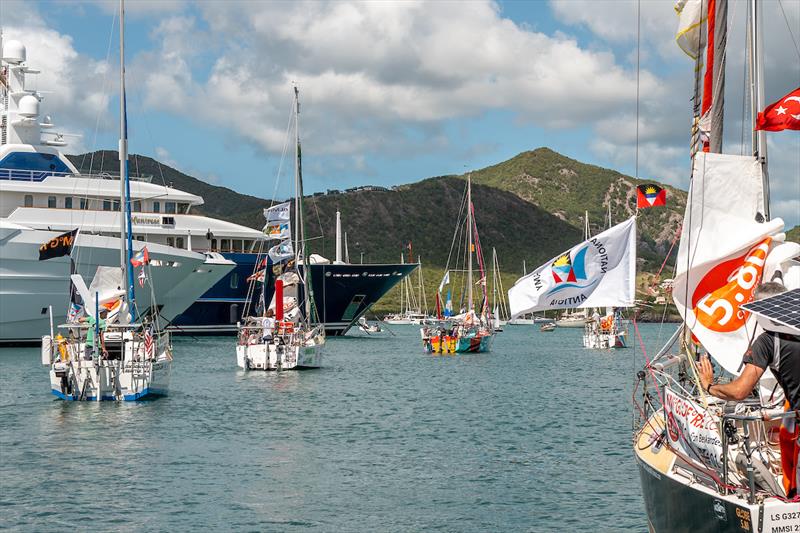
42	195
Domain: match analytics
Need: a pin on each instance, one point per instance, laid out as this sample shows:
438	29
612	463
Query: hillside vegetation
567	188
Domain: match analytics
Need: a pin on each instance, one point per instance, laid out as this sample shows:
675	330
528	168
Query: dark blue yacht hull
342	294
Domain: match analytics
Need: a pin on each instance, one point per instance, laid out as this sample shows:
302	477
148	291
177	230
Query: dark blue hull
342	294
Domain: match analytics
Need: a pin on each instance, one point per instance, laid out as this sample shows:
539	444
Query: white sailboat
282	336
706	464
116	351
413	304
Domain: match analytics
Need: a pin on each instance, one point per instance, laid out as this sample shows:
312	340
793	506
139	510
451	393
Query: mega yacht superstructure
41	189
42	195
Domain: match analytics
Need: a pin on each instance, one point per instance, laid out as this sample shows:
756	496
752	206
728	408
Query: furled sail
599	272
726	249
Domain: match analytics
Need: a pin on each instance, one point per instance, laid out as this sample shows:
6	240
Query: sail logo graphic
717	297
562	269
569	272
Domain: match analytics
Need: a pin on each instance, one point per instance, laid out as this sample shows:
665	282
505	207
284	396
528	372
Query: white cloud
372	72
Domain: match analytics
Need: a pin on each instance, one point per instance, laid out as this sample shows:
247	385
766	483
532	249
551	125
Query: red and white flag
782	115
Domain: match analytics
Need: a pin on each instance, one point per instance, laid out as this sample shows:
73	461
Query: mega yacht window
156	207
183	208
137	206
68	202
84	203
116	205
179	242
169	207
213	245
170	241
248	245
106	205
225	245
51	202
28	200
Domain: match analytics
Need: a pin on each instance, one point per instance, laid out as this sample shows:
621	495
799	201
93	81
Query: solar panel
780	310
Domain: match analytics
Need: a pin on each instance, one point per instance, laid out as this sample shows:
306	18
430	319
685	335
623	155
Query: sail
723	252
598	272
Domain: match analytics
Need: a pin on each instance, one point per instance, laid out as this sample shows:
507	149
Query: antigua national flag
142	257
650	196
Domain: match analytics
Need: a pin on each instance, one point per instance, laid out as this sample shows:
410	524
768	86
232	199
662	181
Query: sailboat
706	464
608	331
113	352
499	307
282	335
413	304
471	330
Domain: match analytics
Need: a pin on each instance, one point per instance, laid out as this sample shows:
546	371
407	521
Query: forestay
599	272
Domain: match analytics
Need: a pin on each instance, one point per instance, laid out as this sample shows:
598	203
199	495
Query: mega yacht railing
16	174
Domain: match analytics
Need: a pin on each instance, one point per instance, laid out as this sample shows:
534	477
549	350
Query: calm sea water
534	436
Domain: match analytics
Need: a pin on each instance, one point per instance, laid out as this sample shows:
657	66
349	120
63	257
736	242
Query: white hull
275	355
521	322
129	379
604	341
571	323
28	287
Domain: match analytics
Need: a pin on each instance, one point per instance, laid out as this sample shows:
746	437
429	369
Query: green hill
566	188
793	234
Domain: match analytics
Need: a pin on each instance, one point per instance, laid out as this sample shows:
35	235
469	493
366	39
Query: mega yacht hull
342	294
29	287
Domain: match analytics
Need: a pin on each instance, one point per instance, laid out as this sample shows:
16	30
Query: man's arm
738	389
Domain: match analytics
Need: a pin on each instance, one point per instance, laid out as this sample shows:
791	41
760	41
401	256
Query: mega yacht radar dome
29	106
14	52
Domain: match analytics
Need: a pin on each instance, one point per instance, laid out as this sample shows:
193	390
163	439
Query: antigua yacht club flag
782	115
650	196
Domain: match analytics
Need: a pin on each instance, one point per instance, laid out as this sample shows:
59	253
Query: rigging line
636	171
789	27
283	153
104	86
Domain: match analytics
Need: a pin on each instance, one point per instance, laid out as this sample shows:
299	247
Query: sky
395	92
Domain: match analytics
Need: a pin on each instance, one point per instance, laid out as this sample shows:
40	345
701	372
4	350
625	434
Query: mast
126	237
299	250
469	245
338	237
494	279
757	95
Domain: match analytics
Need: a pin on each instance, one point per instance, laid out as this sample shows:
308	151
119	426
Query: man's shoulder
760	351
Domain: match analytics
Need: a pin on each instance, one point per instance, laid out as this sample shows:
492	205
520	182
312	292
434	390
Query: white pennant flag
445	281
278	213
281	251
599	272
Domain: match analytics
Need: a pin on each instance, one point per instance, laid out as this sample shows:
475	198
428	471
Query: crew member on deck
780	352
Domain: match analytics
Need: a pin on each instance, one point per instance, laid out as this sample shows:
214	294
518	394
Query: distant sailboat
471	330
